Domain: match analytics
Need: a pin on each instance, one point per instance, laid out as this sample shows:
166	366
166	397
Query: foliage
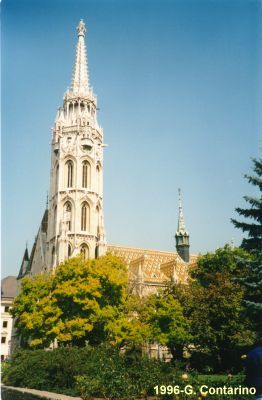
224	261
253	288
155	319
167	323
100	371
129	328
105	372
220	325
74	305
46	370
115	375
254	212
219	321
35	311
253	281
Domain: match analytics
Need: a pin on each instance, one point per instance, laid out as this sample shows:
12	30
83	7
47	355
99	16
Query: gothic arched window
55	219
56	176
86	174
98	179
53	256
85	217
69	173
97	220
68	215
69	250
84	251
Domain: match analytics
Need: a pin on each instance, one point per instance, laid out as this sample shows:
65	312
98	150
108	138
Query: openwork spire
181	227
80	81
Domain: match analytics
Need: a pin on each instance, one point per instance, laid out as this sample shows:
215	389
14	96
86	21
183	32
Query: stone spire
80	81
182	236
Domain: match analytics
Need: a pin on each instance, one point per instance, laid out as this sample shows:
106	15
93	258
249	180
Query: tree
129	329
254	229
74	306
253	280
167	325
35	312
253	284
224	260
219	323
155	319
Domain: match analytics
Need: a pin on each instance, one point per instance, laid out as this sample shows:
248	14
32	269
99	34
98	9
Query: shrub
114	375
105	372
46	370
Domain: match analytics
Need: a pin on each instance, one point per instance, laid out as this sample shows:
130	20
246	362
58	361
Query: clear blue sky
179	92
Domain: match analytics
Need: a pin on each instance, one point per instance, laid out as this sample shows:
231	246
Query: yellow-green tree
130	328
155	319
75	305
35	312
165	317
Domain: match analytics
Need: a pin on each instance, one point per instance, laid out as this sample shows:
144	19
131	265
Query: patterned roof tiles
151	263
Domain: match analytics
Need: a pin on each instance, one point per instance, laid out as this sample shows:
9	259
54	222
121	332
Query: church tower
182	236
75	216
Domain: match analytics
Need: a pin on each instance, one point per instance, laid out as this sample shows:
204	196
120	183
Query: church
73	222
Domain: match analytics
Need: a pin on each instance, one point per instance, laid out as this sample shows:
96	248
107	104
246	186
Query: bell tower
182	236
75	216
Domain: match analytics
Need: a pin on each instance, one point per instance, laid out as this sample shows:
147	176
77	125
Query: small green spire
182	236
181	227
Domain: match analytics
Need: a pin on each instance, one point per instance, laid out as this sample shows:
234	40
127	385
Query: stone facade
8	292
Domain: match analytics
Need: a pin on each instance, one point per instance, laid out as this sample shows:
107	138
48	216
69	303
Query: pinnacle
81	29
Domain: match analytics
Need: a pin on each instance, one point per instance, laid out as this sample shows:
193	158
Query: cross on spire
81	29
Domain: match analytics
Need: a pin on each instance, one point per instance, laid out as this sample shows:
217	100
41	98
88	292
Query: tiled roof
150	262
131	253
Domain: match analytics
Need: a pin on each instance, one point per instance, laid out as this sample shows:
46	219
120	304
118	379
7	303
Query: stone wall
13	393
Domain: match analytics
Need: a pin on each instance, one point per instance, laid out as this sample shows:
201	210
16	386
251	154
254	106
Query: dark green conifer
253	226
253	283
253	243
